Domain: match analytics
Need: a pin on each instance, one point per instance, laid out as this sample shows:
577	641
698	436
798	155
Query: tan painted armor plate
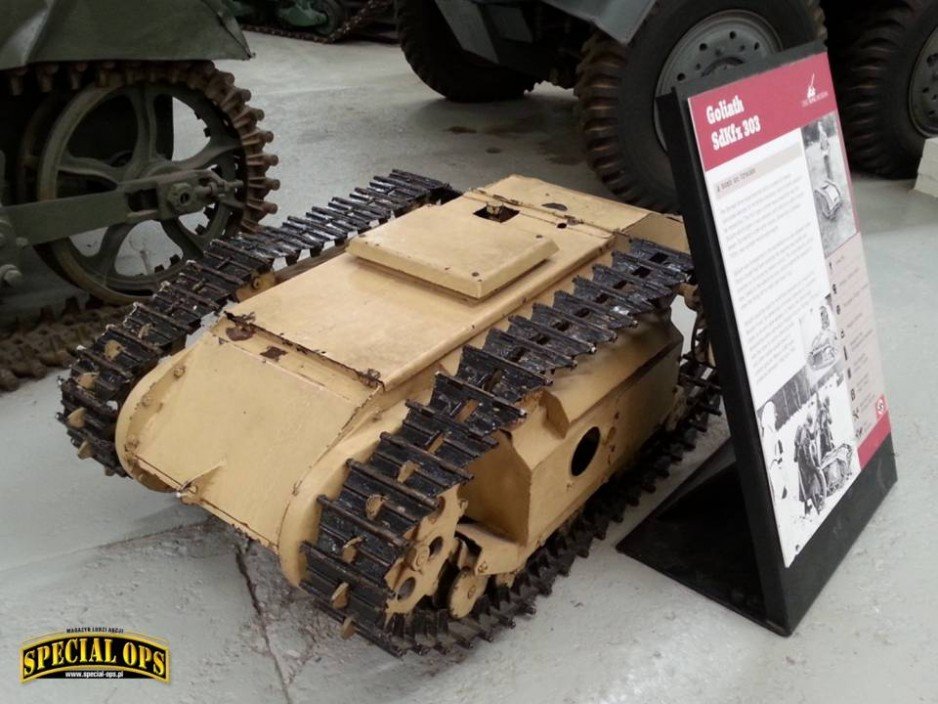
457	251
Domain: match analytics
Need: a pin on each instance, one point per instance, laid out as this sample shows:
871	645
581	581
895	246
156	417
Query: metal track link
105	372
30	350
443	438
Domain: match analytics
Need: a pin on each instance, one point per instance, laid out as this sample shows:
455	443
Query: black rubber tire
616	87
435	55
873	57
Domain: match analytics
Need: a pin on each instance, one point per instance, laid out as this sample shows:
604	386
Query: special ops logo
103	653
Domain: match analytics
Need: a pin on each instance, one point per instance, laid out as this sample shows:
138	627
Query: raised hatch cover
462	252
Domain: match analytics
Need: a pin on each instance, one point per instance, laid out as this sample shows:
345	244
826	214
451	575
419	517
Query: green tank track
48	341
28	350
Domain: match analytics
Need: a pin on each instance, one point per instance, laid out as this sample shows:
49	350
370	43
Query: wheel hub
717	43
99	261
923	89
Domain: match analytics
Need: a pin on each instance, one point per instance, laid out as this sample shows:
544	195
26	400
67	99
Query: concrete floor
79	549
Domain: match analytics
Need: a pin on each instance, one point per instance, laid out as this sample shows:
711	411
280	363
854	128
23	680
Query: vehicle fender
94	30
620	19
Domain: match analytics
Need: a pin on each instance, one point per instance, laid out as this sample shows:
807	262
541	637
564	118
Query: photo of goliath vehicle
619	55
510	431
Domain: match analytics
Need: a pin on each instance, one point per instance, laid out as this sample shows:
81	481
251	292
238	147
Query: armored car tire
885	66
435	55
679	41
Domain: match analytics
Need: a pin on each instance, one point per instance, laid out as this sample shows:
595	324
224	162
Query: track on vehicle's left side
103	374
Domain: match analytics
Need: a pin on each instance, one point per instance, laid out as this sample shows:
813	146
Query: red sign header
738	117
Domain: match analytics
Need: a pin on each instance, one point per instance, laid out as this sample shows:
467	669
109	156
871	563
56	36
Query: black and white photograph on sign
807	437
820	338
828	171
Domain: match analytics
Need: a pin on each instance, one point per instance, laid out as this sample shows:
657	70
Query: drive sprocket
46	340
45	158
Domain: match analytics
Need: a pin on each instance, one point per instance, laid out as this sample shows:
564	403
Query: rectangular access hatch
457	251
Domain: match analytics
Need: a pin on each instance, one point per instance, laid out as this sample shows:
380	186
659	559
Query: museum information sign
761	169
779	189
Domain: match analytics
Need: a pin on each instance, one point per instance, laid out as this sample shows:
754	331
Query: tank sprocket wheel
215	100
29	349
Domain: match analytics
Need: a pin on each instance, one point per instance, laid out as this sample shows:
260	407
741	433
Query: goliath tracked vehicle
123	152
429	411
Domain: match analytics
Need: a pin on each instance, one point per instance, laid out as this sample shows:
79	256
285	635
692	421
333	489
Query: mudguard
88	30
620	19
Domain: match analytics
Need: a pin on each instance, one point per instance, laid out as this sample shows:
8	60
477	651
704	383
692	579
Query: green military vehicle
123	150
619	55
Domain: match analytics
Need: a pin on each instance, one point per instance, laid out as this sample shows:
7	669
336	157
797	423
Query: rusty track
28	352
202	76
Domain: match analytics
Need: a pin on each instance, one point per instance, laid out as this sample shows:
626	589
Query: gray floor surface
79	549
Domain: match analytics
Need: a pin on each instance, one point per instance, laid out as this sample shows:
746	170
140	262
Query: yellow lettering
42	654
29	663
145	656
159	663
130	654
83	650
108	655
95	651
70	650
57	648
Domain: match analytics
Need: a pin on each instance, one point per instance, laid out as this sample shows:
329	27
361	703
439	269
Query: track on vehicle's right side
359	546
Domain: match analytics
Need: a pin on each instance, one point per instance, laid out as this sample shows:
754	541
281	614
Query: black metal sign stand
700	537
717	534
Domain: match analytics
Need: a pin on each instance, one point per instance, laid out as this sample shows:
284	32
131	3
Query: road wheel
113	131
617	84
886	71
435	55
